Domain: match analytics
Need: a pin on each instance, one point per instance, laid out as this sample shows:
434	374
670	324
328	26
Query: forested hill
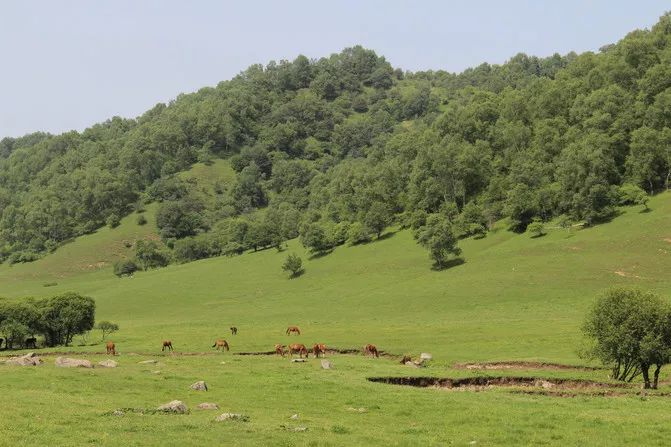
338	148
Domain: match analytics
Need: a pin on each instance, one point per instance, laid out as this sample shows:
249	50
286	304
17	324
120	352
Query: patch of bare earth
527	385
507	365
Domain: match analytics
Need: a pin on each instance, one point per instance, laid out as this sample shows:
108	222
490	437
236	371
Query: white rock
326	364
108	364
65	362
199	386
208	406
175	406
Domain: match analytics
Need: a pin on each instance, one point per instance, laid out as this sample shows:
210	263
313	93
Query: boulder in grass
199	386
108	364
232	417
208	406
147	362
425	356
326	364
175	406
30	359
65	362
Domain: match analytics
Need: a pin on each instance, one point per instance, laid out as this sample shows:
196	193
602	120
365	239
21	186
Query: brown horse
293	330
319	348
167	344
234	330
221	344
111	348
279	349
298	348
370	350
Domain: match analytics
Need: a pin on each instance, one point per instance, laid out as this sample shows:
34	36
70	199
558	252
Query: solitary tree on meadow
293	265
630	331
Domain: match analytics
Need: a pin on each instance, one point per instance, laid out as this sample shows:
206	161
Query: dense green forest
335	150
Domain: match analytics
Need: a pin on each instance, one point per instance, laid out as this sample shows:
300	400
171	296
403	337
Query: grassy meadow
514	298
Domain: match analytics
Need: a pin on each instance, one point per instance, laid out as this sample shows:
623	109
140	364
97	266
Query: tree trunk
645	369
656	376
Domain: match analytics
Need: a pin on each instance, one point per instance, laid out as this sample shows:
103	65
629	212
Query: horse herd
318	349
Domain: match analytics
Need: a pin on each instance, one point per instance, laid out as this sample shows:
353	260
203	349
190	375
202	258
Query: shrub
113	221
358	233
149	255
536	228
632	195
141	220
107	328
293	265
125	267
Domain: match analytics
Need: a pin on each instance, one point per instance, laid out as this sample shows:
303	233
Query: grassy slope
514	298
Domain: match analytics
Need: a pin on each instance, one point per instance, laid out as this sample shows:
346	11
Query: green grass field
515	298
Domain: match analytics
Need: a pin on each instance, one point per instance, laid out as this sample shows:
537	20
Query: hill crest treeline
336	149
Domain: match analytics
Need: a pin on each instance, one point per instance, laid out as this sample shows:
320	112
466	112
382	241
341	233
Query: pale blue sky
71	63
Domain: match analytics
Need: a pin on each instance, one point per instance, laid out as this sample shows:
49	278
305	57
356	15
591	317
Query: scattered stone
147	362
326	364
208	406
294	416
65	362
357	410
156	372
425	356
118	413
30	359
412	364
232	417
223	363
175	406
108	364
300	429
298	360
199	386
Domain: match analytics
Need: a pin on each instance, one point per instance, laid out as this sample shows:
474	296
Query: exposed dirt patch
627	275
328	351
484	383
521	365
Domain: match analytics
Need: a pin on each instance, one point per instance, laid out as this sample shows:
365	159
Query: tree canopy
321	145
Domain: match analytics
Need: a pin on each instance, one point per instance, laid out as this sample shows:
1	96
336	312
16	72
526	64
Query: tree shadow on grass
448	265
538	236
298	274
645	210
321	254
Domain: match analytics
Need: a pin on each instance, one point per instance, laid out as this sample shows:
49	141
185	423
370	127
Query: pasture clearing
514	299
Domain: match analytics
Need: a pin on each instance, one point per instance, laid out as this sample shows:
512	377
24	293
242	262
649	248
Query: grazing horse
167	344
293	330
279	349
370	350
234	330
221	344
319	348
298	348
111	348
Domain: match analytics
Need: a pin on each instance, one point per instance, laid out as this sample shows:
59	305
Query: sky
69	64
